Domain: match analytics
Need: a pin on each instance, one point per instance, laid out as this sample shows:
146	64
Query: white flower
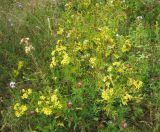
85	41
11	24
25	41
27	45
19	5
139	17
117	35
111	1
29	49
9	20
12	84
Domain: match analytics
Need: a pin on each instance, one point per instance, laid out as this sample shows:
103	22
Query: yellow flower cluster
92	61
19	109
47	110
60	52
60	31
81	46
107	94
137	84
126	99
97	47
59	47
84	3
53	62
26	93
66	59
117	63
105	36
20	65
108	80
109	69
120	67
47	105
126	47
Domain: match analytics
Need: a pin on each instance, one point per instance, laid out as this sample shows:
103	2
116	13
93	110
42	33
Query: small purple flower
12	84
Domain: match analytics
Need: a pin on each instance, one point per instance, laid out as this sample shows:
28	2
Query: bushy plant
80	66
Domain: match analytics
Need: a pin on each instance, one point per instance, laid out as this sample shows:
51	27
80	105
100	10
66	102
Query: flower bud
69	104
79	85
124	124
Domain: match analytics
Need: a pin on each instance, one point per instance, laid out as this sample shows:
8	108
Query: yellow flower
54	78
53	62
93	61
16	106
61	124
26	93
53	52
66	59
126	99
58	105
108	80
107	94
23	90
16	73
116	55
46	105
55	101
111	42
17	113
29	91
24	96
86	2
116	63
130	81
47	111
47	102
138	84
42	97
37	110
54	98
60	31
39	102
126	47
59	42
20	65
109	68
60	48
19	109
121	68
23	108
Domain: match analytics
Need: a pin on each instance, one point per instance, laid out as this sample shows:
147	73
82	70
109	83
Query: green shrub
80	66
